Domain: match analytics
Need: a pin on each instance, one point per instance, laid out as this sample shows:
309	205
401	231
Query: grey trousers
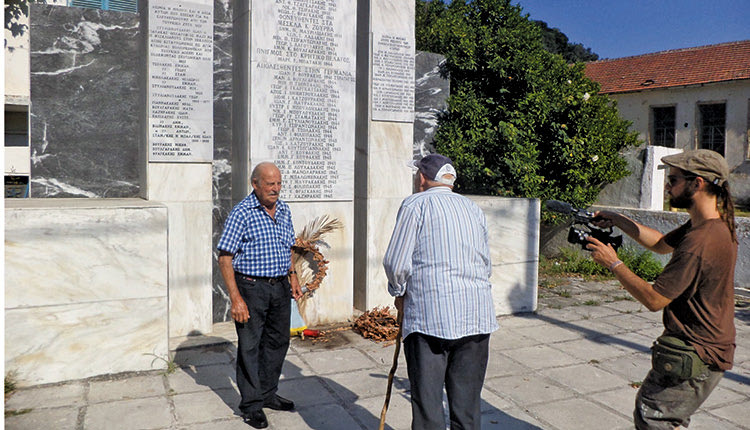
663	404
460	366
263	341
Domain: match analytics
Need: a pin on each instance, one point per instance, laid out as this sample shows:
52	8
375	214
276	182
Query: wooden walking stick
399	320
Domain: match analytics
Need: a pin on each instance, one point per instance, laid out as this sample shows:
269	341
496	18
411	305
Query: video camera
582	227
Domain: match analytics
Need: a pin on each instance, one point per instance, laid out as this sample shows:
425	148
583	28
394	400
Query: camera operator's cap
435	167
705	163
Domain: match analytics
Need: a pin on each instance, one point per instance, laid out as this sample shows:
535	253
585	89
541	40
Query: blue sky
621	28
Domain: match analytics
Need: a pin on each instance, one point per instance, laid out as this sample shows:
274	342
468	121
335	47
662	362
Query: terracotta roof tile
680	67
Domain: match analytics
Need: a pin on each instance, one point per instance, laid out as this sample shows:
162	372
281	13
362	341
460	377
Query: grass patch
171	365
571	262
591	303
10	383
564	293
14	412
636	384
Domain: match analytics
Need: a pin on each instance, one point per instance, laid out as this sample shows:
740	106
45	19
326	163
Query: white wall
635	107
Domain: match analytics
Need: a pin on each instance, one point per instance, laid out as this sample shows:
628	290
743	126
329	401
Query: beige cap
705	163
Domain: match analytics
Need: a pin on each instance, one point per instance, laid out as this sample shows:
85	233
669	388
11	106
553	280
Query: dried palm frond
318	227
309	263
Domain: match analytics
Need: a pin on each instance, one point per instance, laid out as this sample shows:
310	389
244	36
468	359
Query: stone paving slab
145	413
529	389
58	419
540	356
206	406
335	361
66	394
130	388
736	413
398	416
585	378
569	415
202	378
703	420
586	349
330	417
620	400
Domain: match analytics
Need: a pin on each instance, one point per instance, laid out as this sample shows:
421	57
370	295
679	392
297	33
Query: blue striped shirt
439	260
260	245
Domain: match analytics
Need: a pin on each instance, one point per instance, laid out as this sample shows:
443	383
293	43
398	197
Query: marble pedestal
85	288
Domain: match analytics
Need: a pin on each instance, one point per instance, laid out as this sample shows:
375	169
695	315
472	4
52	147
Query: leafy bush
520	121
643	264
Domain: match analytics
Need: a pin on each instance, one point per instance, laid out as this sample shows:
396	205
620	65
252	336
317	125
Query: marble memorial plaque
180	80
302	96
392	78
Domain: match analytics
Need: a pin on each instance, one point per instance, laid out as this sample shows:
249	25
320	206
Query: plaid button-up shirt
260	245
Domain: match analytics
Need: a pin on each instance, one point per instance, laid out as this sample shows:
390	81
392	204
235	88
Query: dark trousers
458	364
262	341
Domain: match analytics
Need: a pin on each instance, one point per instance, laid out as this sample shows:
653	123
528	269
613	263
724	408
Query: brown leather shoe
256	419
279	403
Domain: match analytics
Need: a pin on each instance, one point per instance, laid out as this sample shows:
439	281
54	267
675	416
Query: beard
684	200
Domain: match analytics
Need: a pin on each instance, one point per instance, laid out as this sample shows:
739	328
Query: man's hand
296	289
239	310
601	253
604	219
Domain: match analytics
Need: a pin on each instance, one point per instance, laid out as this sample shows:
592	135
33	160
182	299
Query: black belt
270	280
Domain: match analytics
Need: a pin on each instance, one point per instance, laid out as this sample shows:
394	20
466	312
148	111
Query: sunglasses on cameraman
672	179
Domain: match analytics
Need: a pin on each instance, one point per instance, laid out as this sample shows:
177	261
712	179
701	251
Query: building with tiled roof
686	99
675	68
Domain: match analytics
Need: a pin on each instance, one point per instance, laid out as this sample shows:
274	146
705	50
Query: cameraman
696	289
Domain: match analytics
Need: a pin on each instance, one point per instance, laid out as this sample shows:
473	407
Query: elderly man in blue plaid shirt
255	254
438	268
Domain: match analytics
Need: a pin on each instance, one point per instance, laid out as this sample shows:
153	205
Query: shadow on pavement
197	362
492	417
613	339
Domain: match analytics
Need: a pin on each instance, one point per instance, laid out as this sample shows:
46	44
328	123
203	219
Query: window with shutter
116	5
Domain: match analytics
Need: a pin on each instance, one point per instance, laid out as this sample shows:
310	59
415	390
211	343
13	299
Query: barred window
713	126
664	126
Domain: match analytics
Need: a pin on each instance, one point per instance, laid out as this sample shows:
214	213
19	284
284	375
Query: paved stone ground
571	365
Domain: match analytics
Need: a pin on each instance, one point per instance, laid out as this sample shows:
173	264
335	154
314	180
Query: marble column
293	104
177	128
385	117
652	184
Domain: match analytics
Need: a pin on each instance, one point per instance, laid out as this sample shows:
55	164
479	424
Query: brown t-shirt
699	279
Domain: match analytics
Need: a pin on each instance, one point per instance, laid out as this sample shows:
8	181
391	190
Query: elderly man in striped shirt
438	268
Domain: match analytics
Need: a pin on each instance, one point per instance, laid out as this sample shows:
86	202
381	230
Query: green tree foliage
14	9
520	121
556	42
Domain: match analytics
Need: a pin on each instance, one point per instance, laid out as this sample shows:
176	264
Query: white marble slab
190	267
57	343
513	226
390	151
58	255
332	302
381	213
180	181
